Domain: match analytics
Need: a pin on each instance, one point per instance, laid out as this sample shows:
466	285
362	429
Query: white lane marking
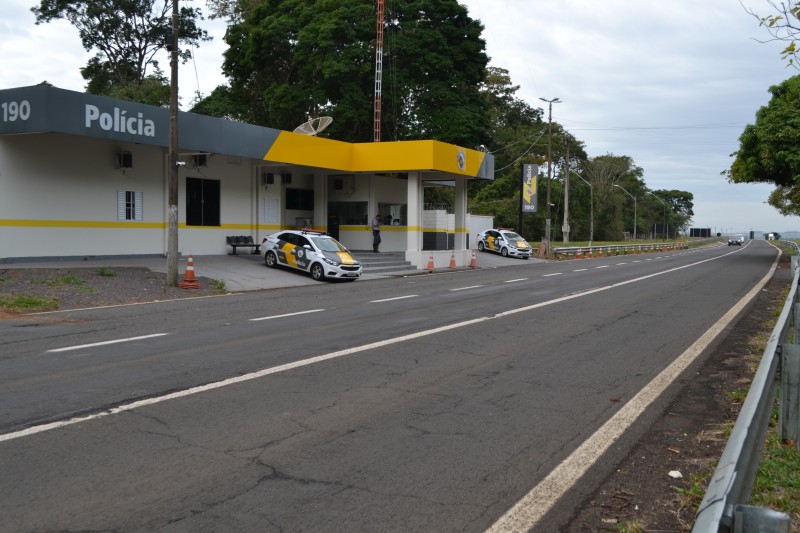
287	314
580	270
33	430
466	288
515	280
602	266
393	299
554	274
106	343
621	264
529	510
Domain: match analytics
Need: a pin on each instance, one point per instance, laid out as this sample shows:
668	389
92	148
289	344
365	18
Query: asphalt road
449	402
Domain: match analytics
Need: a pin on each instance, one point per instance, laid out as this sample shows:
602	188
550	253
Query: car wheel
504	252
271	259
481	247
526	257
317	272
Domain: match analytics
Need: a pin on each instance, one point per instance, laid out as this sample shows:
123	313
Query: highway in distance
480	400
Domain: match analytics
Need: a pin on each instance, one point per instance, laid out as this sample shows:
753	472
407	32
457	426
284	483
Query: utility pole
549	169
172	200
565	226
378	70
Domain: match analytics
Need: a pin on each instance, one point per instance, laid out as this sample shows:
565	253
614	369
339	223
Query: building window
393	214
300	199
202	202
348	213
129	205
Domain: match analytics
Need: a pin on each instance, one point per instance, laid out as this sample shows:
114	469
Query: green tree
612	205
783	25
769	150
291	59
126	36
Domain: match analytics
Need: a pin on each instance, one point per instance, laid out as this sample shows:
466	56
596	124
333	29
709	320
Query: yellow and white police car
311	251
505	242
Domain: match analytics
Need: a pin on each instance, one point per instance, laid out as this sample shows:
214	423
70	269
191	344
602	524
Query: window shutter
120	205
139	207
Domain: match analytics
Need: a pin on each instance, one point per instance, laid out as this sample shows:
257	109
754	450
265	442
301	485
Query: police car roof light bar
315	231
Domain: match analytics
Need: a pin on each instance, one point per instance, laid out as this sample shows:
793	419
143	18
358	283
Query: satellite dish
314	125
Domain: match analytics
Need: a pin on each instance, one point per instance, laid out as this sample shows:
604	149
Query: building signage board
529	193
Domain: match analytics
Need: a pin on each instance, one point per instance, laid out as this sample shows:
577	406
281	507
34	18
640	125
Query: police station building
87	176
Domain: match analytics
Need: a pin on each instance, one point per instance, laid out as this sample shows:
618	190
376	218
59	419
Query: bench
242	241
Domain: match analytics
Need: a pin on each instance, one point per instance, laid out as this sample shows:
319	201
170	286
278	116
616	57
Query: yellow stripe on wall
112	224
22	223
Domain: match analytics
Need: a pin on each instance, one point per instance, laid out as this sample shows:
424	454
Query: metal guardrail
724	507
577	252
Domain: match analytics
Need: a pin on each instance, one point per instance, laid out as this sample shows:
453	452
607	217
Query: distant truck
770	236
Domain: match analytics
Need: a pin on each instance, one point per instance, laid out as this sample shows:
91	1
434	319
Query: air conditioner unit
200	160
125	160
286	177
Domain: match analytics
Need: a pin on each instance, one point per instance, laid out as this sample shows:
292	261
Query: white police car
505	242
311	251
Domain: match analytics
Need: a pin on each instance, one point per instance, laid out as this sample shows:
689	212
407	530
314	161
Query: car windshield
328	244
510	235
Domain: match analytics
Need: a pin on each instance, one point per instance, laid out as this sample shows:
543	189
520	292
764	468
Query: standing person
376	233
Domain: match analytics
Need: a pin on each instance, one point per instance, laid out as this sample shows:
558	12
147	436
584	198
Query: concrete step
383	262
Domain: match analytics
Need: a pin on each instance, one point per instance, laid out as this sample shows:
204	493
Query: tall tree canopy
126	36
769	150
291	59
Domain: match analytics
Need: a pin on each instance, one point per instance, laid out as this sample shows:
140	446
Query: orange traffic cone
473	263
590	254
189	281
579	255
600	252
429	268
452	260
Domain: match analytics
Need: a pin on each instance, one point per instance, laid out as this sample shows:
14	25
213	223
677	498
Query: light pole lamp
651	193
549	167
634	208
591	208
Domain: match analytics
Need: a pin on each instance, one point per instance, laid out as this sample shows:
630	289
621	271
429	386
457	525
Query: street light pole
634	208
651	193
549	168
591	208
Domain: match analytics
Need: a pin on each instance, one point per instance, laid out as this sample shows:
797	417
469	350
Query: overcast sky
670	84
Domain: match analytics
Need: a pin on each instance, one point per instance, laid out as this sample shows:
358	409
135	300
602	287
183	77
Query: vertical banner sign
529	193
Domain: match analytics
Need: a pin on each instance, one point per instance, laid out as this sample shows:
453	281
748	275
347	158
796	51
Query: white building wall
58	198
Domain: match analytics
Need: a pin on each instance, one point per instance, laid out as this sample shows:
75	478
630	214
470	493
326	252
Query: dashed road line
106	343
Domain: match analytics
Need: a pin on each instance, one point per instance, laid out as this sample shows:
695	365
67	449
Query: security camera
180	163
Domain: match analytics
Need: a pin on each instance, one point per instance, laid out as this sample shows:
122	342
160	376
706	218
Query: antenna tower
378	70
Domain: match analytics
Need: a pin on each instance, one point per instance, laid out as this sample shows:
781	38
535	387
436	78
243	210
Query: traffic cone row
430	267
452	260
473	263
189	281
